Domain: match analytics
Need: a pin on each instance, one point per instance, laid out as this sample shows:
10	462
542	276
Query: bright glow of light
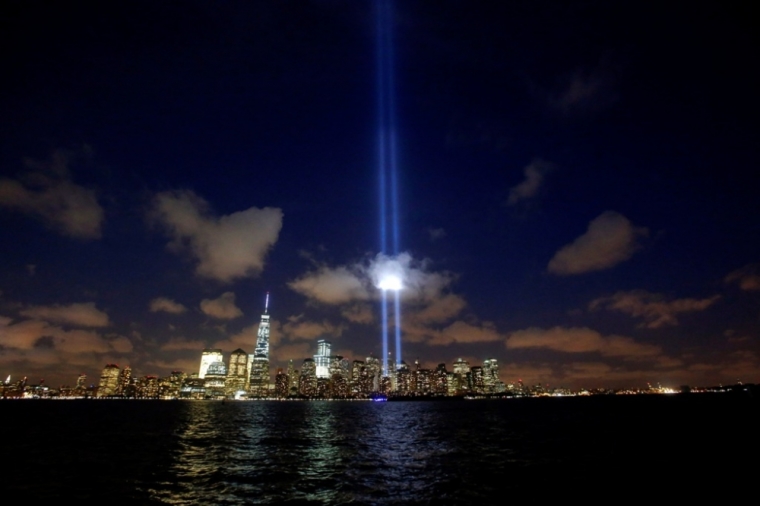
390	283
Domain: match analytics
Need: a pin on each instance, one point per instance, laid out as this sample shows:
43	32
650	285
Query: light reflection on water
462	453
321	452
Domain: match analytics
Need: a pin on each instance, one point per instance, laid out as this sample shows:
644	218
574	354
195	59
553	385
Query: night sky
578	186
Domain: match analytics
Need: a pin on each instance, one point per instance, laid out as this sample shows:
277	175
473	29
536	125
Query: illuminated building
374	369
125	387
281	384
292	380
322	359
147	387
491	376
109	381
422	380
258	384
461	377
441	380
215	380
208	357
339	377
478	384
307	385
403	379
237	373
82	382
359	376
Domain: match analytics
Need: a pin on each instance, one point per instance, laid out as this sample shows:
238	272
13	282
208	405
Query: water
465	452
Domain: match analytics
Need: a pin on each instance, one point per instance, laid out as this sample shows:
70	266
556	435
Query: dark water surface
465	452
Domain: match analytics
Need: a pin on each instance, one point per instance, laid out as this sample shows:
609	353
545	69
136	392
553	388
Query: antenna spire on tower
266	304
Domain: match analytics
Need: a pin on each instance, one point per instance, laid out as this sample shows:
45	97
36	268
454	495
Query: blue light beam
387	165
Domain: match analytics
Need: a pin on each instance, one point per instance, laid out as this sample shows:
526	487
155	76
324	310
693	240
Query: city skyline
576	187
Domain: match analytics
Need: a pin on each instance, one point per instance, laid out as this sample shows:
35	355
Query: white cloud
653	308
47	191
534	178
747	277
83	314
166	305
359	282
580	340
332	285
222	307
609	240
227	247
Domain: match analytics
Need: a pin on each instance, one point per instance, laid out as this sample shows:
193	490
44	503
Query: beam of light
387	169
385	333
397	314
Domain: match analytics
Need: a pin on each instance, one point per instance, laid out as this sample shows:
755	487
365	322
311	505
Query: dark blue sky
578	186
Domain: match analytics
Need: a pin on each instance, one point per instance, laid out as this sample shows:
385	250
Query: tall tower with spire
259	379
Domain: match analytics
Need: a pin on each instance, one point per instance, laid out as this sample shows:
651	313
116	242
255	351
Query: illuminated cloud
223	307
653	308
47	192
227	247
534	178
162	304
747	277
182	344
609	240
332	285
461	332
360	281
38	334
358	313
299	329
83	314
580	340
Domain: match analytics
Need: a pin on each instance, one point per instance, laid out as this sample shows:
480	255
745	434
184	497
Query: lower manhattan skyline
568	190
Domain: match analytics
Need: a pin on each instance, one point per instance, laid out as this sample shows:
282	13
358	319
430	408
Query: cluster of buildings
248	376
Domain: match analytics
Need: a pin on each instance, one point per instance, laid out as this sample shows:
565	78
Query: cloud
332	285
166	305
653	308
47	192
298	329
461	332
359	281
747	277
358	313
227	247
534	178
580	340
609	240
222	307
182	344
436	233
83	314
36	334
584	91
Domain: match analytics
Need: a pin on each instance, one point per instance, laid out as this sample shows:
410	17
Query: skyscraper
322	359
109	381
208	357
259	379
237	373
